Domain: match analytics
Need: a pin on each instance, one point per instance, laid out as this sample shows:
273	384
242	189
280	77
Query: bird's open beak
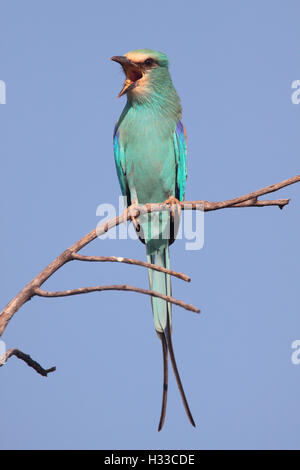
132	71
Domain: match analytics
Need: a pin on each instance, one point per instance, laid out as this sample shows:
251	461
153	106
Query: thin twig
26	358
208	206
131	261
261	203
124	287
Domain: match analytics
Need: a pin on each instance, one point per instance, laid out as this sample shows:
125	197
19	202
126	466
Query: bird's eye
149	62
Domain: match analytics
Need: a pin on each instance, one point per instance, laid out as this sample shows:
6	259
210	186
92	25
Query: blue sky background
233	64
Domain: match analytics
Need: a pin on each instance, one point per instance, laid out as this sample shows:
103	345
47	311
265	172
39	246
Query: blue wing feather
120	163
180	147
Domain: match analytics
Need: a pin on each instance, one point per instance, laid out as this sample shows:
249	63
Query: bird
150	151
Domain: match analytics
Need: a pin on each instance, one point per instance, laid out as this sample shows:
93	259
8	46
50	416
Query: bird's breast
149	156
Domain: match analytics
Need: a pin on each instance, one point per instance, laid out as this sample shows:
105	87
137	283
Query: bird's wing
179	138
120	164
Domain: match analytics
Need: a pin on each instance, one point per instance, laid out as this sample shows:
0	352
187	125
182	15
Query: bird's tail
162	314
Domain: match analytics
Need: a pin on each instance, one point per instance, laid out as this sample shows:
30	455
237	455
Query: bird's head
145	71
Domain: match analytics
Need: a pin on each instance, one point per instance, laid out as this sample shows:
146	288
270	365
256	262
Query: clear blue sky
233	64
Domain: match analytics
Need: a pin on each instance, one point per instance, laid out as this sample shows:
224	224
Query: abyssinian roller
150	154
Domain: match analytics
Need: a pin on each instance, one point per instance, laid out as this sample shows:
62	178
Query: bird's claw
175	205
131	212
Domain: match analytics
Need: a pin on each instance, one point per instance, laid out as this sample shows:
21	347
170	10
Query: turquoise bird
150	154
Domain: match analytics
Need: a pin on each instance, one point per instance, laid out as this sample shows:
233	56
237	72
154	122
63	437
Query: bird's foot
175	205
131	212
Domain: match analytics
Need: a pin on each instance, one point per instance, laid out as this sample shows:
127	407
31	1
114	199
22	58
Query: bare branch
87	290
261	203
248	200
26	358
132	261
211	206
